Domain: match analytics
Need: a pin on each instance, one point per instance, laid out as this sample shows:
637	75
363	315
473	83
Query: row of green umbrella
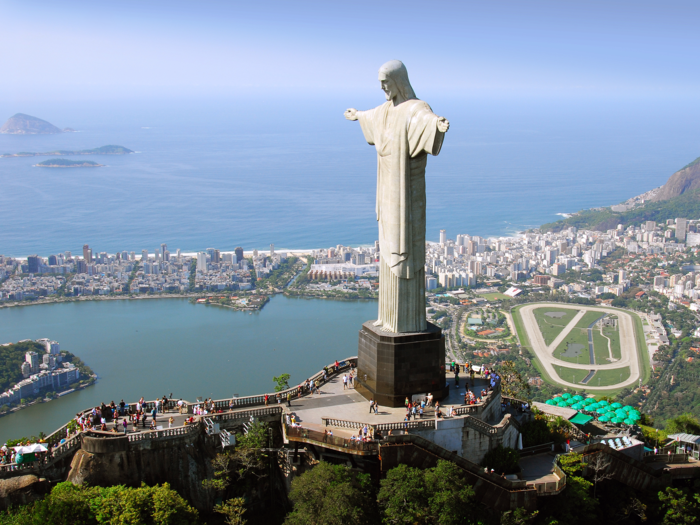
606	412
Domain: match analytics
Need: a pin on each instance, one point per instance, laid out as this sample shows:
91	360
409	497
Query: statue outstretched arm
351	114
442	124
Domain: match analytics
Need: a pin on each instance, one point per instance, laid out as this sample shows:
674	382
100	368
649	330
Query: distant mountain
103	150
679	197
685	179
21	124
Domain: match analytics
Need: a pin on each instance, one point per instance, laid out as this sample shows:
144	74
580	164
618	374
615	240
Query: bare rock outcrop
686	179
21	490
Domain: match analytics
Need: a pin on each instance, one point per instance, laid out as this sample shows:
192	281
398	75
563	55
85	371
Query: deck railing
324	439
294	392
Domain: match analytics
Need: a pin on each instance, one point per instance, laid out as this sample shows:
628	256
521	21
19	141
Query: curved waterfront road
628	347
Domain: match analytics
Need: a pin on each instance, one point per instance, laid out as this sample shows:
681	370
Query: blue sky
103	50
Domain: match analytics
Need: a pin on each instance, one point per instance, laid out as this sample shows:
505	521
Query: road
628	346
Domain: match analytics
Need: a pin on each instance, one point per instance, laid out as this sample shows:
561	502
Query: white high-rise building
202	261
443	236
681	229
144	255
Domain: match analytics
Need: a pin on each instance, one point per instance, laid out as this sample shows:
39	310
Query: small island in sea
67	163
103	150
21	124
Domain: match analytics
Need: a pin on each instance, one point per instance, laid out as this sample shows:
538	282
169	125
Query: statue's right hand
351	114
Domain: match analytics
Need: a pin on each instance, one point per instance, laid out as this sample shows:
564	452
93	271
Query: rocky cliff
21	124
686	179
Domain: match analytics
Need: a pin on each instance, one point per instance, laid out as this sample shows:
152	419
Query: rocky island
104	150
21	124
67	163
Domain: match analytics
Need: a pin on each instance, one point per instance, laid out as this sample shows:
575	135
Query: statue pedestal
391	367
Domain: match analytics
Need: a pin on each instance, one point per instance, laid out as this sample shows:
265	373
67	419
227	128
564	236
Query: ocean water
250	172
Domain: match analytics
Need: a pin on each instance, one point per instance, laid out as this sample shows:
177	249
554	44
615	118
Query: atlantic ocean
250	171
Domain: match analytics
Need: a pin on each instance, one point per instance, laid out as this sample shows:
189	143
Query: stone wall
470	437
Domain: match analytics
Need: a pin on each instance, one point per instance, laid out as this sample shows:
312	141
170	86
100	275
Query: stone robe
403	136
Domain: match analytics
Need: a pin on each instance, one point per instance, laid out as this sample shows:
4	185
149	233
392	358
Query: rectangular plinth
391	367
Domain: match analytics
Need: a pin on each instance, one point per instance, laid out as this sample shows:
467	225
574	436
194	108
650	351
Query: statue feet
378	322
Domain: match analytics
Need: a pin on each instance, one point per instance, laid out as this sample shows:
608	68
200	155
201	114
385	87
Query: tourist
376	409
266	399
154	412
289	399
345	382
371	405
153	425
406	402
171	421
420	411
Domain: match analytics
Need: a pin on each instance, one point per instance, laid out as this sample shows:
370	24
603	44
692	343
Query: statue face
388	86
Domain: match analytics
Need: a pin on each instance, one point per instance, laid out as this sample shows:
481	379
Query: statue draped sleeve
402	135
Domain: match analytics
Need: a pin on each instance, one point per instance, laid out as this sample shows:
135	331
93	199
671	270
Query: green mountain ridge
679	197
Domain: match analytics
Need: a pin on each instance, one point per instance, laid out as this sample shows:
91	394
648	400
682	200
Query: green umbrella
620	413
589	401
628	422
570	402
627	408
616	405
550	402
556	399
617	420
577	406
566	396
602	410
603	403
634	416
593	406
604	419
562	404
610	413
578	398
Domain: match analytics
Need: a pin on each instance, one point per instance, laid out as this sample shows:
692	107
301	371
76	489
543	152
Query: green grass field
493	296
614	335
576	336
572	375
609	377
551	327
600	348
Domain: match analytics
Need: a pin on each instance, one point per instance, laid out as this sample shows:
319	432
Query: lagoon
152	347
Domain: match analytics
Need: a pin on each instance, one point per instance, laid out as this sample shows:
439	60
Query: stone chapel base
391	367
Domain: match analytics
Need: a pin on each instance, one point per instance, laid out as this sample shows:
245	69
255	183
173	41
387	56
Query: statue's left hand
443	124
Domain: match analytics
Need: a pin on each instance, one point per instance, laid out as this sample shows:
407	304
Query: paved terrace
336	403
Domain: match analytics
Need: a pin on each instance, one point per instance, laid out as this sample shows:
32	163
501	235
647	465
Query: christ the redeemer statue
404	130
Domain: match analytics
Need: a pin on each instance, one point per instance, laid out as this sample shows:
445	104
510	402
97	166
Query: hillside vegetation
685	205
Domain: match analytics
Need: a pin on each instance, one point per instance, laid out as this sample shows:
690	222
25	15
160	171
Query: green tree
69	504
683	424
332	494
503	460
233	510
282	382
437	495
678	507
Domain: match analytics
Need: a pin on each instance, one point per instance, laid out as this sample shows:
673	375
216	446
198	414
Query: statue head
394	80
